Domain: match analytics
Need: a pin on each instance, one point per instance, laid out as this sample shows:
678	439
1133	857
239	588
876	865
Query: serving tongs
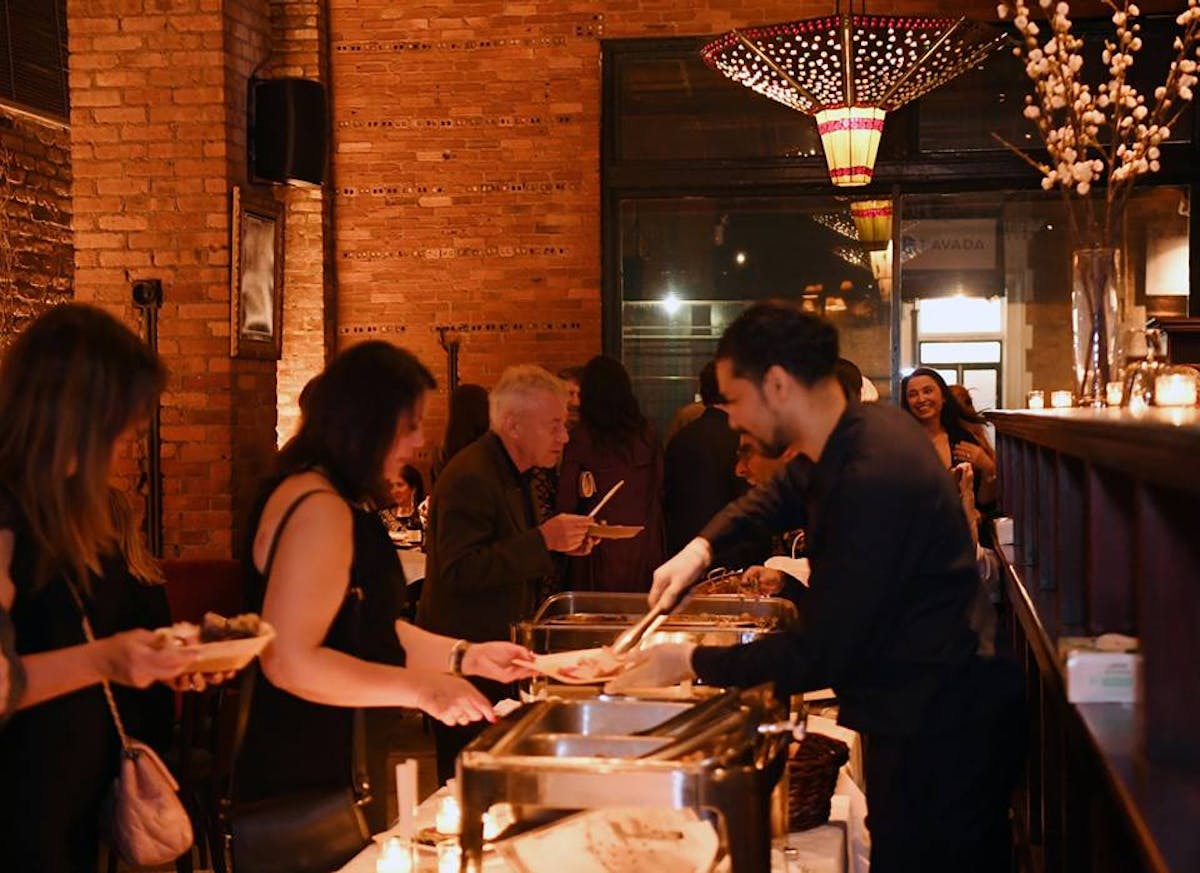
693	716
628	639
726	735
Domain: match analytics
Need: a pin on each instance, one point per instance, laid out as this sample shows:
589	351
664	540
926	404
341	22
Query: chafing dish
586	619
721	757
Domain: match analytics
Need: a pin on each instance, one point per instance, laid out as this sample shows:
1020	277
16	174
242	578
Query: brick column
158	139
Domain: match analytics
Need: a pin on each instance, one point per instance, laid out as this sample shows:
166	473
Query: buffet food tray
722	757
587	619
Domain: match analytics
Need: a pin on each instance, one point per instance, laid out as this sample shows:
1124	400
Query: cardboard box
1096	675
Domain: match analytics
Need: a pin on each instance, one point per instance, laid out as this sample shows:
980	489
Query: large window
33	55
690	265
715	197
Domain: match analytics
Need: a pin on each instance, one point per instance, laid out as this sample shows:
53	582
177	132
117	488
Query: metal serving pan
725	757
586	619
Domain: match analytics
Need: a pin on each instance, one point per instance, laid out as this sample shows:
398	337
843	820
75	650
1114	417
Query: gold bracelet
457	652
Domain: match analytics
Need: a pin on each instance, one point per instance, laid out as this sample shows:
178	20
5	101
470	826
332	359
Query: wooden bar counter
1106	538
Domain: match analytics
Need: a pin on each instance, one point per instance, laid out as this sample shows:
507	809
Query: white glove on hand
677	574
655	667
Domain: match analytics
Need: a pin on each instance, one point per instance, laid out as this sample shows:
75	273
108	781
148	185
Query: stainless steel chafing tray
722	757
586	619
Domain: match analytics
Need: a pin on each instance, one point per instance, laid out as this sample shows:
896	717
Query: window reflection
691	265
986	293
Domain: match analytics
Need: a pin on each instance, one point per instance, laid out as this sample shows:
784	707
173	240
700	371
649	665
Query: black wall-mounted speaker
287	131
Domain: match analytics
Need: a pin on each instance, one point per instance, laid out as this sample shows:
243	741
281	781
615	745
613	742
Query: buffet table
841	846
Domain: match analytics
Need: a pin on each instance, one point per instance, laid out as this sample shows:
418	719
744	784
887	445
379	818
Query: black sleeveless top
57	759
294	745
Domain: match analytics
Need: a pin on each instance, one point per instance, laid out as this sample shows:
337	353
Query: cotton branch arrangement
1105	132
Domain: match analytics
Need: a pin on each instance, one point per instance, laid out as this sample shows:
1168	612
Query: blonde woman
74	389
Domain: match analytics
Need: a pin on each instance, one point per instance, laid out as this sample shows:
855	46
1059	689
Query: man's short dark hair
710	394
778	333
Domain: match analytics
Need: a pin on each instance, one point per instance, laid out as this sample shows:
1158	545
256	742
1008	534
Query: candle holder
449	855
1035	399
395	856
1142	372
1061	399
497	820
1175	386
449	816
1114	393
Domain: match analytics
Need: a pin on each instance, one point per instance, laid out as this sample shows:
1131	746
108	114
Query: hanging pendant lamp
849	71
873	221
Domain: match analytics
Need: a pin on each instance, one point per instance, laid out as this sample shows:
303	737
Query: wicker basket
813	766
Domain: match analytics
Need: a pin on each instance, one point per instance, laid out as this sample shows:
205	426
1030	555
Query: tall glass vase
1095	275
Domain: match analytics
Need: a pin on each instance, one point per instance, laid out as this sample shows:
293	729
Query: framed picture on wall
256	277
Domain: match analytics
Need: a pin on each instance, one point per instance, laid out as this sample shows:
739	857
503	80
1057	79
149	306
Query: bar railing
1106	512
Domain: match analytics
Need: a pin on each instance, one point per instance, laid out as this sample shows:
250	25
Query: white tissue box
1097	676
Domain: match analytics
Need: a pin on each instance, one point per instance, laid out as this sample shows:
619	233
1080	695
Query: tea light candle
1061	399
449	816
449	856
496	820
395	857
1036	399
491	826
1175	389
1114	393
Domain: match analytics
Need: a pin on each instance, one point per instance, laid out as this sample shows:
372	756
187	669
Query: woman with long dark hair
925	395
466	421
614	441
327	577
75	387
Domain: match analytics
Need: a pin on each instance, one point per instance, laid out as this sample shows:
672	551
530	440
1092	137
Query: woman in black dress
319	545
73	389
952	429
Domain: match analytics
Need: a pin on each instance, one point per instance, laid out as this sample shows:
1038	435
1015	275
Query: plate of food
405	538
614	531
580	667
221	645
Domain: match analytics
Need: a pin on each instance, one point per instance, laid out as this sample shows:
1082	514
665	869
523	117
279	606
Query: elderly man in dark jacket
486	553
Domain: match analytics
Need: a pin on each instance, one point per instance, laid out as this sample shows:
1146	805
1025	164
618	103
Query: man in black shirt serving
893	574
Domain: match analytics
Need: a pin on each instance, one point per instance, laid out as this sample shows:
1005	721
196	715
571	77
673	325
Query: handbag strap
108	695
360	783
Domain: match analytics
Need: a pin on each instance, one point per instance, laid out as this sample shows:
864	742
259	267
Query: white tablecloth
413	562
841	846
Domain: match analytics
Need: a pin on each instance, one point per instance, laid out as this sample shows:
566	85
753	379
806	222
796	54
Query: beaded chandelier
849	71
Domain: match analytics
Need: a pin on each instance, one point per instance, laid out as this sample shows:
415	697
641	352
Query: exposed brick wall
157	141
467	160
36	268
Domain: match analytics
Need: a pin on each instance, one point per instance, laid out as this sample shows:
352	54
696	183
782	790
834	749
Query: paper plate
614	531
224	656
564	666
